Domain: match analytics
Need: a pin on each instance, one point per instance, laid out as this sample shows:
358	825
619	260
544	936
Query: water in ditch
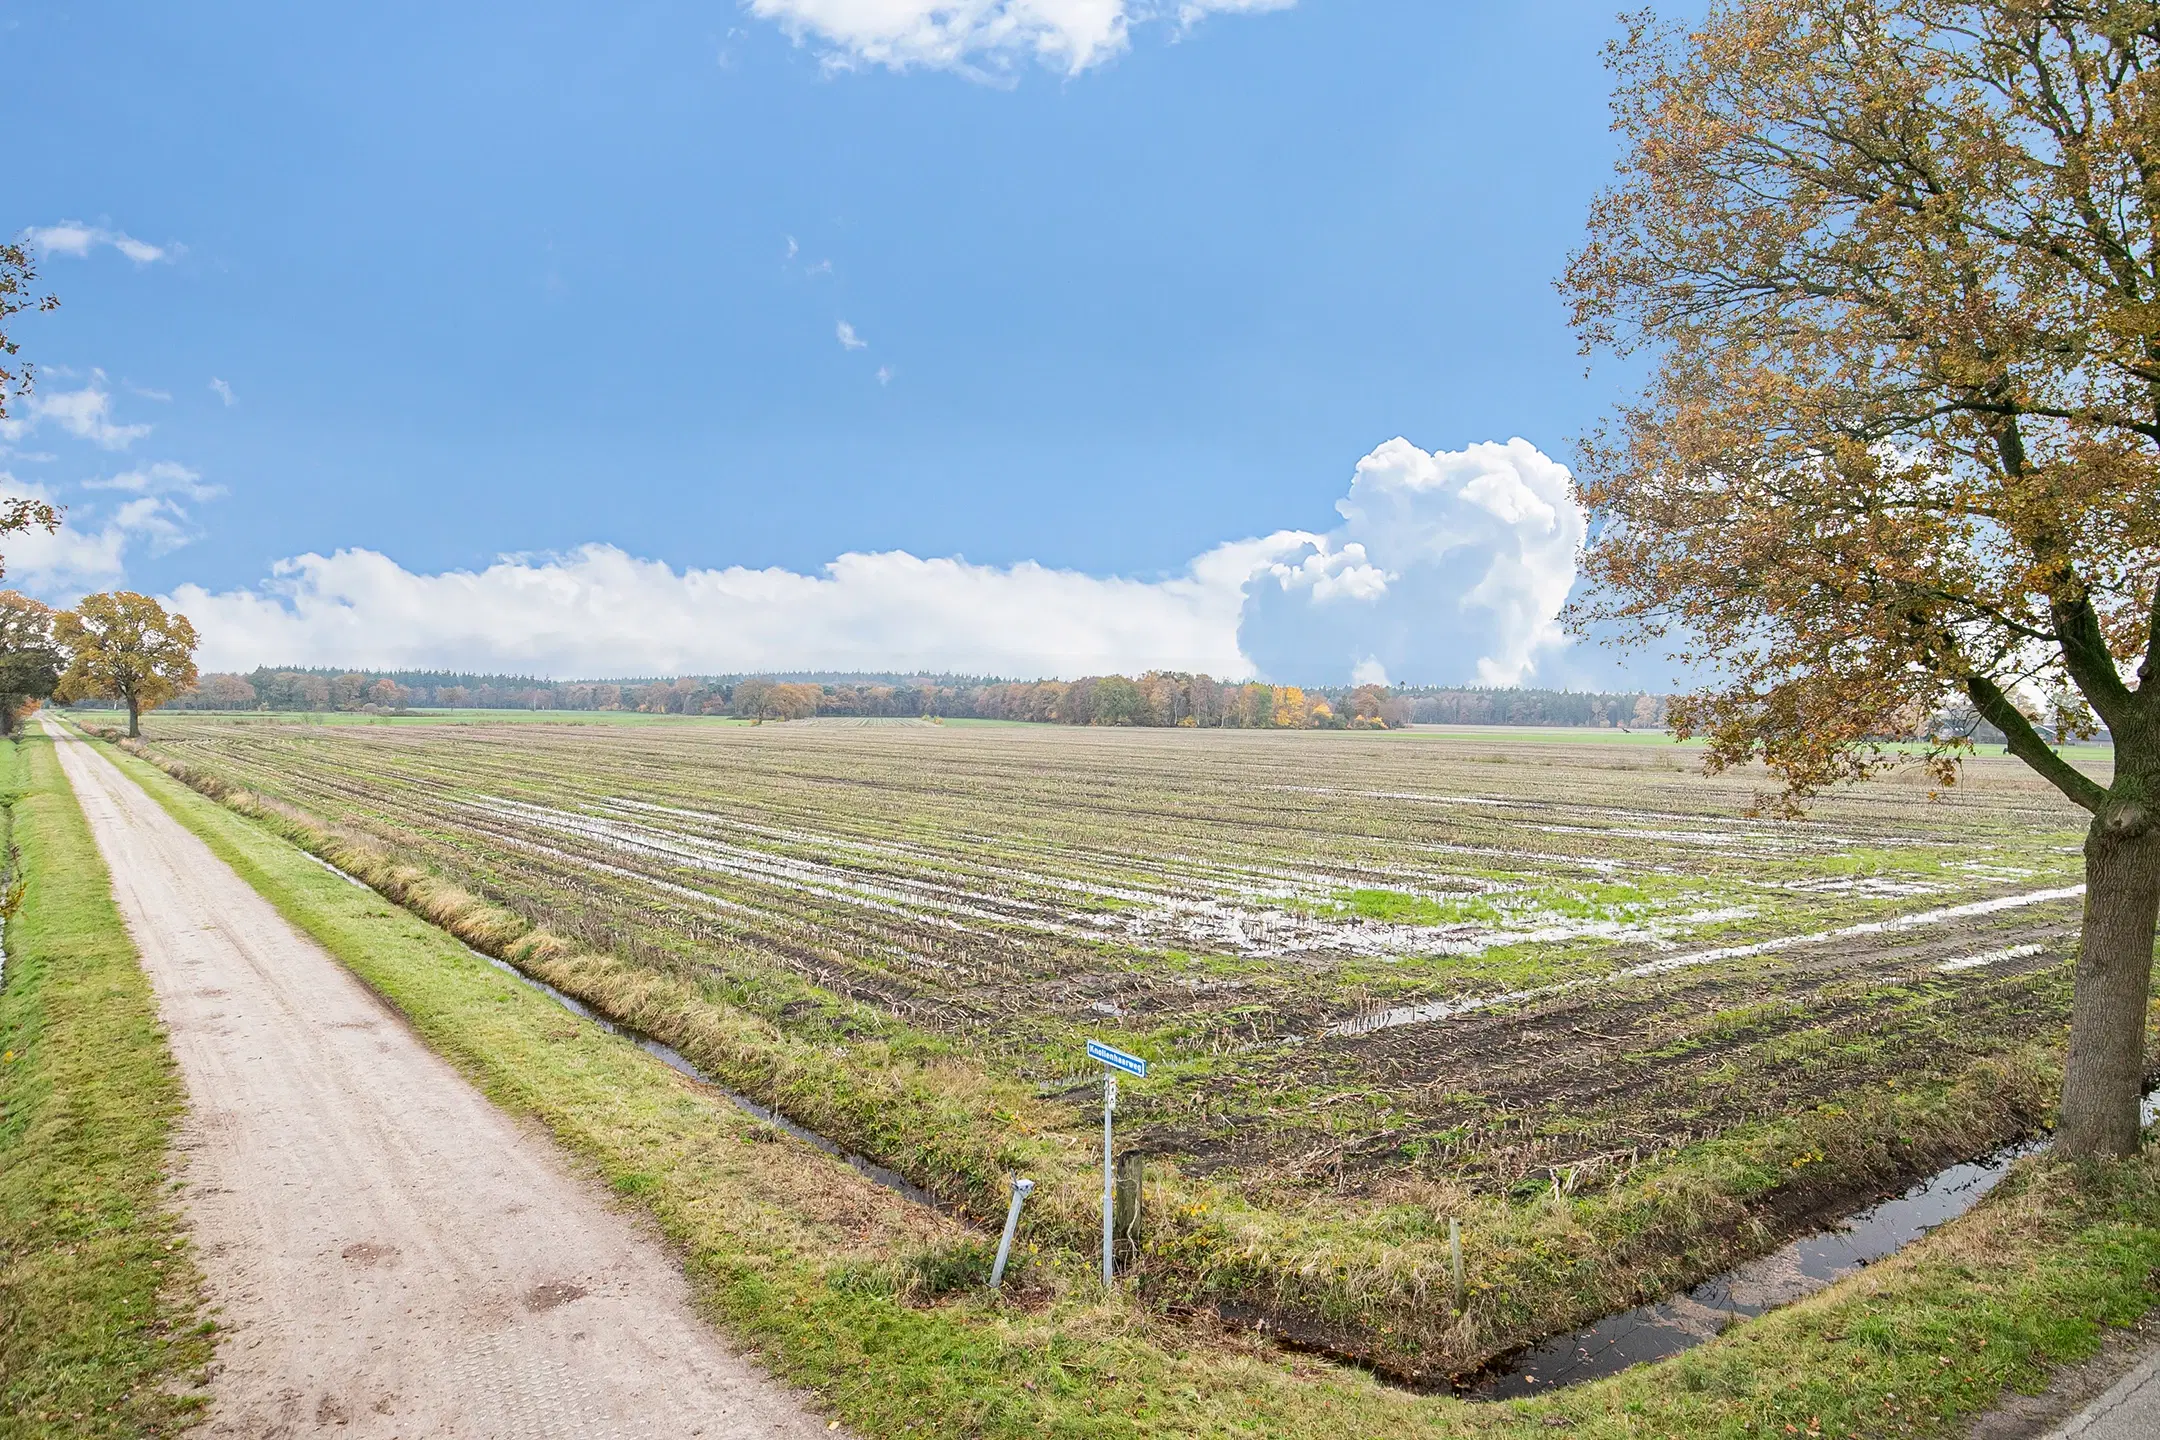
1799	1268
890	1179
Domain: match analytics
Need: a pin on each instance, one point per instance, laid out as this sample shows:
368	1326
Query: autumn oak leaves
123	646
1896	265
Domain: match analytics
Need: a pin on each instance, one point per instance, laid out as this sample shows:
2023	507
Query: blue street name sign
1116	1059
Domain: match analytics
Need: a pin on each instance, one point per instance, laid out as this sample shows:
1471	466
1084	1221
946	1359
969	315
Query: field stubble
1568	992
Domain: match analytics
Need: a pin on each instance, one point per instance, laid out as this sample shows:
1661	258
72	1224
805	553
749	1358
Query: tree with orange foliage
29	657
1897	265
123	646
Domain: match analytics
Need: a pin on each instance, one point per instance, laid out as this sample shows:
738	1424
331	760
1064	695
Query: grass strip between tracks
795	1255
98	1297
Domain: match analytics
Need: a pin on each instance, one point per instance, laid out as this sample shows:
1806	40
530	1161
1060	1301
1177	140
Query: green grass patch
1397	908
1516	904
98	1293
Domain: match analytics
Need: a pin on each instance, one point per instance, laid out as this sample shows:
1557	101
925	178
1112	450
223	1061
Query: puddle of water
1800	1268
344	875
1432	1010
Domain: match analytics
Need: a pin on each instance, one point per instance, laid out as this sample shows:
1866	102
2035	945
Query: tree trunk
134	718
2104	1073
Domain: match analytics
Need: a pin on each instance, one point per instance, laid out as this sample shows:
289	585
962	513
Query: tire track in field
1430	1011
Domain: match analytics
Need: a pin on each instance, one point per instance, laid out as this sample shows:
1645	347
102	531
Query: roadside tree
123	646
29	658
1896	267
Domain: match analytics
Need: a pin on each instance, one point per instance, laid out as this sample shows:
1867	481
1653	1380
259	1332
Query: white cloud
1506	502
90	550
87	552
1192	12
1448	567
223	390
84	413
598	611
73	237
849	340
161	477
156	519
884	374
982	38
1332	570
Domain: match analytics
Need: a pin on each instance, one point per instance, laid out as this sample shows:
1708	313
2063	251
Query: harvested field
1370	970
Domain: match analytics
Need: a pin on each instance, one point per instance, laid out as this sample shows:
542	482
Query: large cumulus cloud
1449	566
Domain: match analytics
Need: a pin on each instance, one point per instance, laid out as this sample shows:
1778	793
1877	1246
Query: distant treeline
1156	698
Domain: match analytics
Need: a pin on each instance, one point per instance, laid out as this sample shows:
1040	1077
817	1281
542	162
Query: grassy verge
1367	1280
97	1293
847	1290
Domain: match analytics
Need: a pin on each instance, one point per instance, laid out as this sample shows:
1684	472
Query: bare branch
2025	743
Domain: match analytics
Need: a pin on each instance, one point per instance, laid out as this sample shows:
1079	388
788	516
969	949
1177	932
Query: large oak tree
1895	268
124	646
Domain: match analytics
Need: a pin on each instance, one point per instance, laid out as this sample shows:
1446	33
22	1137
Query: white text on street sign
1115	1058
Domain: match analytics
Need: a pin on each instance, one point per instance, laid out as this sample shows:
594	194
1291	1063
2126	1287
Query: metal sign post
1020	1190
1109	1177
1113	1060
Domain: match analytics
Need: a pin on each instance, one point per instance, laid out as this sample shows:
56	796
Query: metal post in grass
1113	1060
1454	1246
1021	1186
1109	1181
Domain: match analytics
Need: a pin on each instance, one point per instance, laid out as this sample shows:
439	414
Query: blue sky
680	304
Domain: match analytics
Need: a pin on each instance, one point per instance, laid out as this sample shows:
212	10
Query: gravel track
389	1254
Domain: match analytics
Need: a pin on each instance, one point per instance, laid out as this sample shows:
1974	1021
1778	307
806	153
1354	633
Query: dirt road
390	1254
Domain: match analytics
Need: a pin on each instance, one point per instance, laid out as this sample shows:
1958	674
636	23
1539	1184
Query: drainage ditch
668	1054
1798	1268
891	1179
